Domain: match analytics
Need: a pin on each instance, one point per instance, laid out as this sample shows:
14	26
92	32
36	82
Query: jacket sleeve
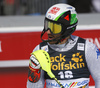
93	61
35	76
38	84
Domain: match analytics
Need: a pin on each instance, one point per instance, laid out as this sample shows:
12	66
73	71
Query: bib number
66	74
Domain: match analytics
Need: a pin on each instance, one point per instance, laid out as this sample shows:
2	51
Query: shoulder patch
80	46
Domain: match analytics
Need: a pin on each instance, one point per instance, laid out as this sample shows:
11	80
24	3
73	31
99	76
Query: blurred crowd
39	7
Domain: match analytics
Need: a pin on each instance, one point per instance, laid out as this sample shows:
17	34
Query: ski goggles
55	28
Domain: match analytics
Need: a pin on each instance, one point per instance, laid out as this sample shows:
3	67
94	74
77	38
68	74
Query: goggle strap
42	34
73	25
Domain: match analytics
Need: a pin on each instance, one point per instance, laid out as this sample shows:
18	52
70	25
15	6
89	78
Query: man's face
51	37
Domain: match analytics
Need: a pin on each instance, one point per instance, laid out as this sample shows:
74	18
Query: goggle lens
54	27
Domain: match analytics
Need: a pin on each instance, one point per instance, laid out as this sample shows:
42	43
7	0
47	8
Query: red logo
54	10
67	17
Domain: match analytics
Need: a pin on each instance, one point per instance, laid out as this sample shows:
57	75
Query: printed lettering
62	58
54	10
68	85
89	39
81	65
59	58
61	74
96	41
72	65
66	66
66	74
0	47
52	59
59	62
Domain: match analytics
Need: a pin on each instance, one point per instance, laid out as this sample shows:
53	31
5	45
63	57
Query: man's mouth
50	37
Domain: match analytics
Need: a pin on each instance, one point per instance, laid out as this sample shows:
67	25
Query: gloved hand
34	62
34	69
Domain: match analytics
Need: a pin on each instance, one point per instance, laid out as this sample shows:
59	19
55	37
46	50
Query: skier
73	59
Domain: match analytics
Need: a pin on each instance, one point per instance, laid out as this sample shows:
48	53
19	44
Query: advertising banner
16	46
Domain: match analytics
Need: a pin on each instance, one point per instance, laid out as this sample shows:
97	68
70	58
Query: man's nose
48	32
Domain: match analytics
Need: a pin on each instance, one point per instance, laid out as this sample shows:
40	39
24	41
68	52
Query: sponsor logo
49	16
75	63
69	7
80	46
82	83
69	85
98	53
67	17
54	10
